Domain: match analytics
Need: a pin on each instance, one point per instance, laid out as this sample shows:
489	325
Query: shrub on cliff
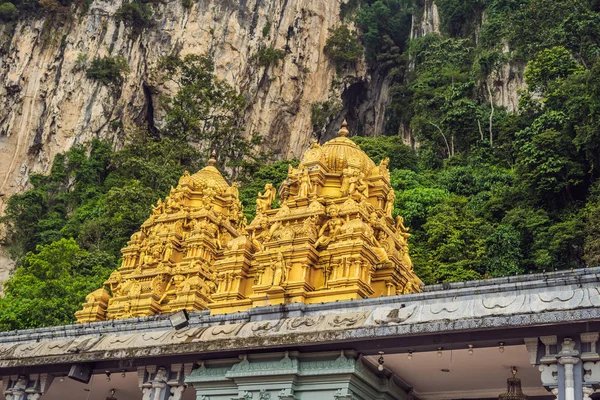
268	55
8	12
135	15
343	47
108	70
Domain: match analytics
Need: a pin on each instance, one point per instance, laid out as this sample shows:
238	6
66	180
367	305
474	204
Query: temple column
162	383
26	387
591	363
572	373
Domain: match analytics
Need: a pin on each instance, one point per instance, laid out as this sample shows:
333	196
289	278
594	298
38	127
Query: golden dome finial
213	158
343	130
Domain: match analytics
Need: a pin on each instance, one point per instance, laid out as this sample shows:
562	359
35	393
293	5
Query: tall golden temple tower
332	238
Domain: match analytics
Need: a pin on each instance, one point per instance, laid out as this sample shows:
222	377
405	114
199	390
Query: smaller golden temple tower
332	238
168	264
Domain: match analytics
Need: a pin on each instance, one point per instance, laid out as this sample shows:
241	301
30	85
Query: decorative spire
213	158
343	130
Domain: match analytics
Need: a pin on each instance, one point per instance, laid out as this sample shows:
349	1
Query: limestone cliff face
427	22
47	104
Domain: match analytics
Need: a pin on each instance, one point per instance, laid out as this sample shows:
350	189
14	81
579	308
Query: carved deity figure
279	270
174	286
377	248
264	200
383	168
265	234
332	226
357	187
168	252
174	201
126	313
402	230
186	178
309	226
346	173
304	184
389	205
159	208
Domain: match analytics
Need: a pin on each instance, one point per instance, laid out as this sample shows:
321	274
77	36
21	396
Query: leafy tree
343	47
268	56
385	24
135	14
8	12
459	17
547	163
209	111
108	70
51	284
401	156
592	228
502	252
549	66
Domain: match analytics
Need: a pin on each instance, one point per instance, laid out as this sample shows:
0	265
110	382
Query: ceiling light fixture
380	361
410	354
439	353
501	347
471	351
112	395
513	388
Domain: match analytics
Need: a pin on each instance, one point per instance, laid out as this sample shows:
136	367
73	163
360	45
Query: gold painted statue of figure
264	200
332	226
402	230
279	270
304	184
159	208
389	204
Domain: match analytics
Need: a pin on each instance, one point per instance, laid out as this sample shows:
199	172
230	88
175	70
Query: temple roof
210	176
342	152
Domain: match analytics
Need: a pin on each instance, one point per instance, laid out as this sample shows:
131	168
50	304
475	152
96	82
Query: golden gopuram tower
332	238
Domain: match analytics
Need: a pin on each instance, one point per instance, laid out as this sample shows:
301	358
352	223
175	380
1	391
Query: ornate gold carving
264	200
332	238
169	264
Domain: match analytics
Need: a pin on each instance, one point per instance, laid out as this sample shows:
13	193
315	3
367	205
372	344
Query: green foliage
135	14
459	17
550	66
385	26
108	70
347	8
266	29
547	160
81	63
401	156
8	12
343	47
210	112
592	228
50	285
268	56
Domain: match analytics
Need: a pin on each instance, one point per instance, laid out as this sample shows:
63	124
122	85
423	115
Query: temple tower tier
333	237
